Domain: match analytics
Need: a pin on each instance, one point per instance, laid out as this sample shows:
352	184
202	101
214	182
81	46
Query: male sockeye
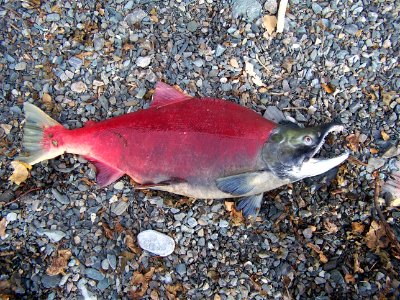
197	147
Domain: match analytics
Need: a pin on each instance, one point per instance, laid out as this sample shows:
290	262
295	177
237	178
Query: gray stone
20	66
63	199
273	114
105	264
103	284
316	8
249	9
98	43
192	222
307	233
223	223
129	5
181	269
192	26
112	259
75	62
50	282
271	6
54	17
120	207
219	51
54	235
375	163
94	274
135	17
156	242
179	217
351	29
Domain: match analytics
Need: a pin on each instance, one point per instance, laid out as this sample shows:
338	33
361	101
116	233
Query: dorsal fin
166	94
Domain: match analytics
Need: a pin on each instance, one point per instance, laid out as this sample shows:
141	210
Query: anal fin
105	174
250	206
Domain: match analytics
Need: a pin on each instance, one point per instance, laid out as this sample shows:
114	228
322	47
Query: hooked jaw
316	166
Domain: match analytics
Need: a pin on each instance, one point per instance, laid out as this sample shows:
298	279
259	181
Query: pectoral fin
250	206
238	185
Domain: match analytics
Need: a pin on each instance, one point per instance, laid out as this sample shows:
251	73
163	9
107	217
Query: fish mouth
316	166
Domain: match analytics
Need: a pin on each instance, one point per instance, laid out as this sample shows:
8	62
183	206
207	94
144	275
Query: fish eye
308	140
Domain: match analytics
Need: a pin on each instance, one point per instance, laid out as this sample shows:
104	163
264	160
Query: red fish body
198	147
192	140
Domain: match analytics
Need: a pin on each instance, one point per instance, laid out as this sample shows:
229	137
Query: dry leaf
357	267
59	263
237	217
329	88
357	227
249	68
107	231
269	23
118	227
20	173
373	151
349	278
387	96
127	47
154	295
47	101
376	236
385	136
130	243
30	4
140	283
322	256
3	226
330	227
172	291
233	62
353	142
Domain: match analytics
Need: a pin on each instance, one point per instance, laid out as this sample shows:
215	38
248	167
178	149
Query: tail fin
33	142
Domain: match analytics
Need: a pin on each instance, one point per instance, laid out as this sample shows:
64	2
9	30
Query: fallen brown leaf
172	291
59	263
118	227
269	23
20	173
3	226
130	243
357	267
385	136
237	217
154	295
107	231
353	141
349	278
329	88
376	236
330	227
46	98
322	256
357	227
140	283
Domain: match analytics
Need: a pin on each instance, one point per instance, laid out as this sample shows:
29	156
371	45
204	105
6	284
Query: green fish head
290	151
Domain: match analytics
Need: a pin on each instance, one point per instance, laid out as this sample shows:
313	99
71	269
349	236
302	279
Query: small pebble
78	87
20	66
143	62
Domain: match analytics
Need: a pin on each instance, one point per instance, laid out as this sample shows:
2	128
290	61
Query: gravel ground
316	239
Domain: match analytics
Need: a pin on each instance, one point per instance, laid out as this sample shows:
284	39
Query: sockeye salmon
198	147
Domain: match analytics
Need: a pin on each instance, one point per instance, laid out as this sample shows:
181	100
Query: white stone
156	242
143	61
78	87
11	217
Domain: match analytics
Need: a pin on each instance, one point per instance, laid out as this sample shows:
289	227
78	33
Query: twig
389	232
281	16
20	196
